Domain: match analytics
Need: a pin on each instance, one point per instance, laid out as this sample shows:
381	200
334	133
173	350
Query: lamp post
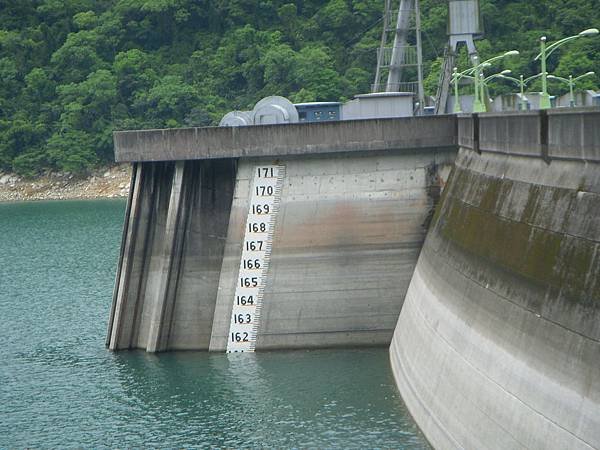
571	82
522	82
478	104
547	50
497	75
456	76
484	84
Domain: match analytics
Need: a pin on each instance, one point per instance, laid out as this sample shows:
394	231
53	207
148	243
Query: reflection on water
61	388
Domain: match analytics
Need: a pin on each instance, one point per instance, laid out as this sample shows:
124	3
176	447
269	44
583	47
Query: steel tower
405	51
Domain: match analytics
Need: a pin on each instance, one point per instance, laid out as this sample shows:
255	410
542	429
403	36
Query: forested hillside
72	71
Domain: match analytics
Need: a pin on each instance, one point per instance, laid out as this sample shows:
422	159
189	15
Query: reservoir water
60	387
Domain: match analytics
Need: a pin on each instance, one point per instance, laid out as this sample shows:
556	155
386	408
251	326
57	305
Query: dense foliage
72	71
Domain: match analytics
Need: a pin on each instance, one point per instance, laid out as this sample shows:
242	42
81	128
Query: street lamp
478	104
456	76
571	82
484	83
522	82
497	75
546	51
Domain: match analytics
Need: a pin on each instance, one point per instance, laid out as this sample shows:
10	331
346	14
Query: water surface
60	387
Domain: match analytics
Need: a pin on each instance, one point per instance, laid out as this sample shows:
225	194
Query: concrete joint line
365	330
507	156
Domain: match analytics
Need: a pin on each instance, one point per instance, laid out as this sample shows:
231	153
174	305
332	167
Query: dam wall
173	240
355	203
498	343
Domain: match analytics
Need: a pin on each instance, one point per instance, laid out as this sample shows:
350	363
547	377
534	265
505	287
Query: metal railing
392	20
409	56
411	86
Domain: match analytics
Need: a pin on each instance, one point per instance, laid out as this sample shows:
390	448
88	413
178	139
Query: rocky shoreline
107	182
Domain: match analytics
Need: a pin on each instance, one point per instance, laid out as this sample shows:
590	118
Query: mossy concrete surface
498	342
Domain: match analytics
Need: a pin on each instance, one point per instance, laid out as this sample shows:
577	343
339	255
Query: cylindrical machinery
274	110
237	119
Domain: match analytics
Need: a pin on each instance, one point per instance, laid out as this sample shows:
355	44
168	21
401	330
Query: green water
60	387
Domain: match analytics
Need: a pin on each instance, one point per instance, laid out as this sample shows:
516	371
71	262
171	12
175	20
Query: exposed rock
57	185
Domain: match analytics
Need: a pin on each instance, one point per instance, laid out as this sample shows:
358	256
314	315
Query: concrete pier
355	206
498	342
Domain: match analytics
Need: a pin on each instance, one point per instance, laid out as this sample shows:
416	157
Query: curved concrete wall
498	342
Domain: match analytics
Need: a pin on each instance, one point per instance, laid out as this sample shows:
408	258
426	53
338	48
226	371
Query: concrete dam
335	234
352	216
498	342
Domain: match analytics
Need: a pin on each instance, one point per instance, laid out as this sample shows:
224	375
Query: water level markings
265	196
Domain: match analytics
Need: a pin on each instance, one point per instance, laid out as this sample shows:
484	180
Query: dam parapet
498	343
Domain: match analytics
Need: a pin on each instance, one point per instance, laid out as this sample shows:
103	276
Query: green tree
168	102
72	151
72	71
18	136
314	72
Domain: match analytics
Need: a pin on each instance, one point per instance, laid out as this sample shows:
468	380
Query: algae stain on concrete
545	258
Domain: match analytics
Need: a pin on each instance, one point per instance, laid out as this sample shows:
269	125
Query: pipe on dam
498	343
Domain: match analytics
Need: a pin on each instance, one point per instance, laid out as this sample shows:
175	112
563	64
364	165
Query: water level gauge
256	253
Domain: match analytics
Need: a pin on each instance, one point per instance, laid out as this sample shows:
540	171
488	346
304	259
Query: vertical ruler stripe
256	253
